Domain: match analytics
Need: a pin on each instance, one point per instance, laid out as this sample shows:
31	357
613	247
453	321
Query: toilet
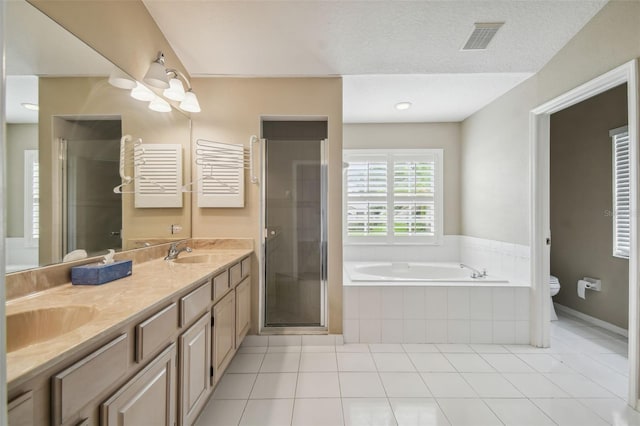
554	288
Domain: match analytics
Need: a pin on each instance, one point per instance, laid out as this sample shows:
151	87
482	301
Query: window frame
30	158
392	156
617	252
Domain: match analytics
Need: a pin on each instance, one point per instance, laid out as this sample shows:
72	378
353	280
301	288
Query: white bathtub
412	273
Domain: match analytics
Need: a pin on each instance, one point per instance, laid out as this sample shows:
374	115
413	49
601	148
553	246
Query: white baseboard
592	320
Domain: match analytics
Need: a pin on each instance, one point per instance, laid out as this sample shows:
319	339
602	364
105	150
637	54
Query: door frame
262	329
540	224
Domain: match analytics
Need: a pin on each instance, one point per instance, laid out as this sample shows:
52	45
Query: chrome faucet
475	273
174	251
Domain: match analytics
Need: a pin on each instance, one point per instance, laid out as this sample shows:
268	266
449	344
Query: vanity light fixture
119	79
156	75
175	91
190	102
142	93
160	105
30	106
402	106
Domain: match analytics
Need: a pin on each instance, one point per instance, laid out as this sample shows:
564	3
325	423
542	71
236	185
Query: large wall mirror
64	124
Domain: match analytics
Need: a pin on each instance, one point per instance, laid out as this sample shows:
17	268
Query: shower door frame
274	330
540	228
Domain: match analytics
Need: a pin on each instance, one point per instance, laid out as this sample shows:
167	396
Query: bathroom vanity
146	349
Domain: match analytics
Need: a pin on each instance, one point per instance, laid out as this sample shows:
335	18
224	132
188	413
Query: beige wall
122	31
581	205
495	140
231	111
82	96
20	137
445	136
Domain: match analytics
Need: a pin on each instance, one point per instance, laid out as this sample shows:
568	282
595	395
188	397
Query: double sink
39	325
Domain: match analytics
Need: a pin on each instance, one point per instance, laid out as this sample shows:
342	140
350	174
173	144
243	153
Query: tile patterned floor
580	381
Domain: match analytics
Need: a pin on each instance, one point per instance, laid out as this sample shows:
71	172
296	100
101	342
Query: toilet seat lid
554	282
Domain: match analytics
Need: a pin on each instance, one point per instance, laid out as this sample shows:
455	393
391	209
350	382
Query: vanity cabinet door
194	369
21	410
243	310
147	399
224	336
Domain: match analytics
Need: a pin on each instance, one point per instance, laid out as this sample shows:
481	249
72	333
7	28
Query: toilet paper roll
582	286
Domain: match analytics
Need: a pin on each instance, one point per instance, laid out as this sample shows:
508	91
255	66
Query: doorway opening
294	199
541	238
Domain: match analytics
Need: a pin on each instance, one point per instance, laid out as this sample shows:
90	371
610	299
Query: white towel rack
135	157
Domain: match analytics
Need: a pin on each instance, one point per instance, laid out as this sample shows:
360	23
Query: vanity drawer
85	380
246	266
220	285
195	303
155	331
235	274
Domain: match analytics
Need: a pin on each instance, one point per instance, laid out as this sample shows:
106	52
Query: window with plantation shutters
31	198
621	192
393	196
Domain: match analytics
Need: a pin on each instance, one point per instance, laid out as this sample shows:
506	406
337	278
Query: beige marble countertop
118	302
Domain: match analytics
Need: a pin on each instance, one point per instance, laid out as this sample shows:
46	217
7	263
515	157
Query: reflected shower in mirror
64	121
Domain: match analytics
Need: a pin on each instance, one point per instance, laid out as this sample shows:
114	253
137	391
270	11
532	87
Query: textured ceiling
274	38
389	51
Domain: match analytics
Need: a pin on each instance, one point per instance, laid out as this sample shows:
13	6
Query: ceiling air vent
481	35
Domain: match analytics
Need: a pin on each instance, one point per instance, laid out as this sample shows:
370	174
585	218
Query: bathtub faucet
475	273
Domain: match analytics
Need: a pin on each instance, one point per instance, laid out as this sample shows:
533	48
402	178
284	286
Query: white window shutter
221	177
621	193
158	177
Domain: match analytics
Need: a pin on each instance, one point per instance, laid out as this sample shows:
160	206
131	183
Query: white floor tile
507	363
318	362
318	385
489	349
454	348
568	412
386	347
274	385
319	348
518	412
491	385
435	362
367	412
578	386
319	340
418	412
617	362
353	348
468	412
285	340
361	385
246	363
280	349
267	412
420	347
404	385
535	385
280	363
317	412
355	362
393	362
222	413
545	363
235	386
253	340
471	363
448	385
615	411
252	349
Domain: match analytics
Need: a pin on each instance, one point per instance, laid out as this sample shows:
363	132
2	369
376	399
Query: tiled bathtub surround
399	314
500	259
505	260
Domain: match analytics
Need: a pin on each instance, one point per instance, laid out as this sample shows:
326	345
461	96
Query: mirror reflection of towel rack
135	157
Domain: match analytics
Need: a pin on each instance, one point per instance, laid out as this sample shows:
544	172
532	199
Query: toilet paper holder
593	284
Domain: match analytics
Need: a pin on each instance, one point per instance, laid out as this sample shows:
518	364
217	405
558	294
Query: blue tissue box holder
98	273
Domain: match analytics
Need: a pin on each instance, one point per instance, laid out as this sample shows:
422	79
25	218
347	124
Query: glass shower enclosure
294	200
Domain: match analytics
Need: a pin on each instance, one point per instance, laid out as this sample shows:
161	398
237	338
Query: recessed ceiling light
401	106
30	107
